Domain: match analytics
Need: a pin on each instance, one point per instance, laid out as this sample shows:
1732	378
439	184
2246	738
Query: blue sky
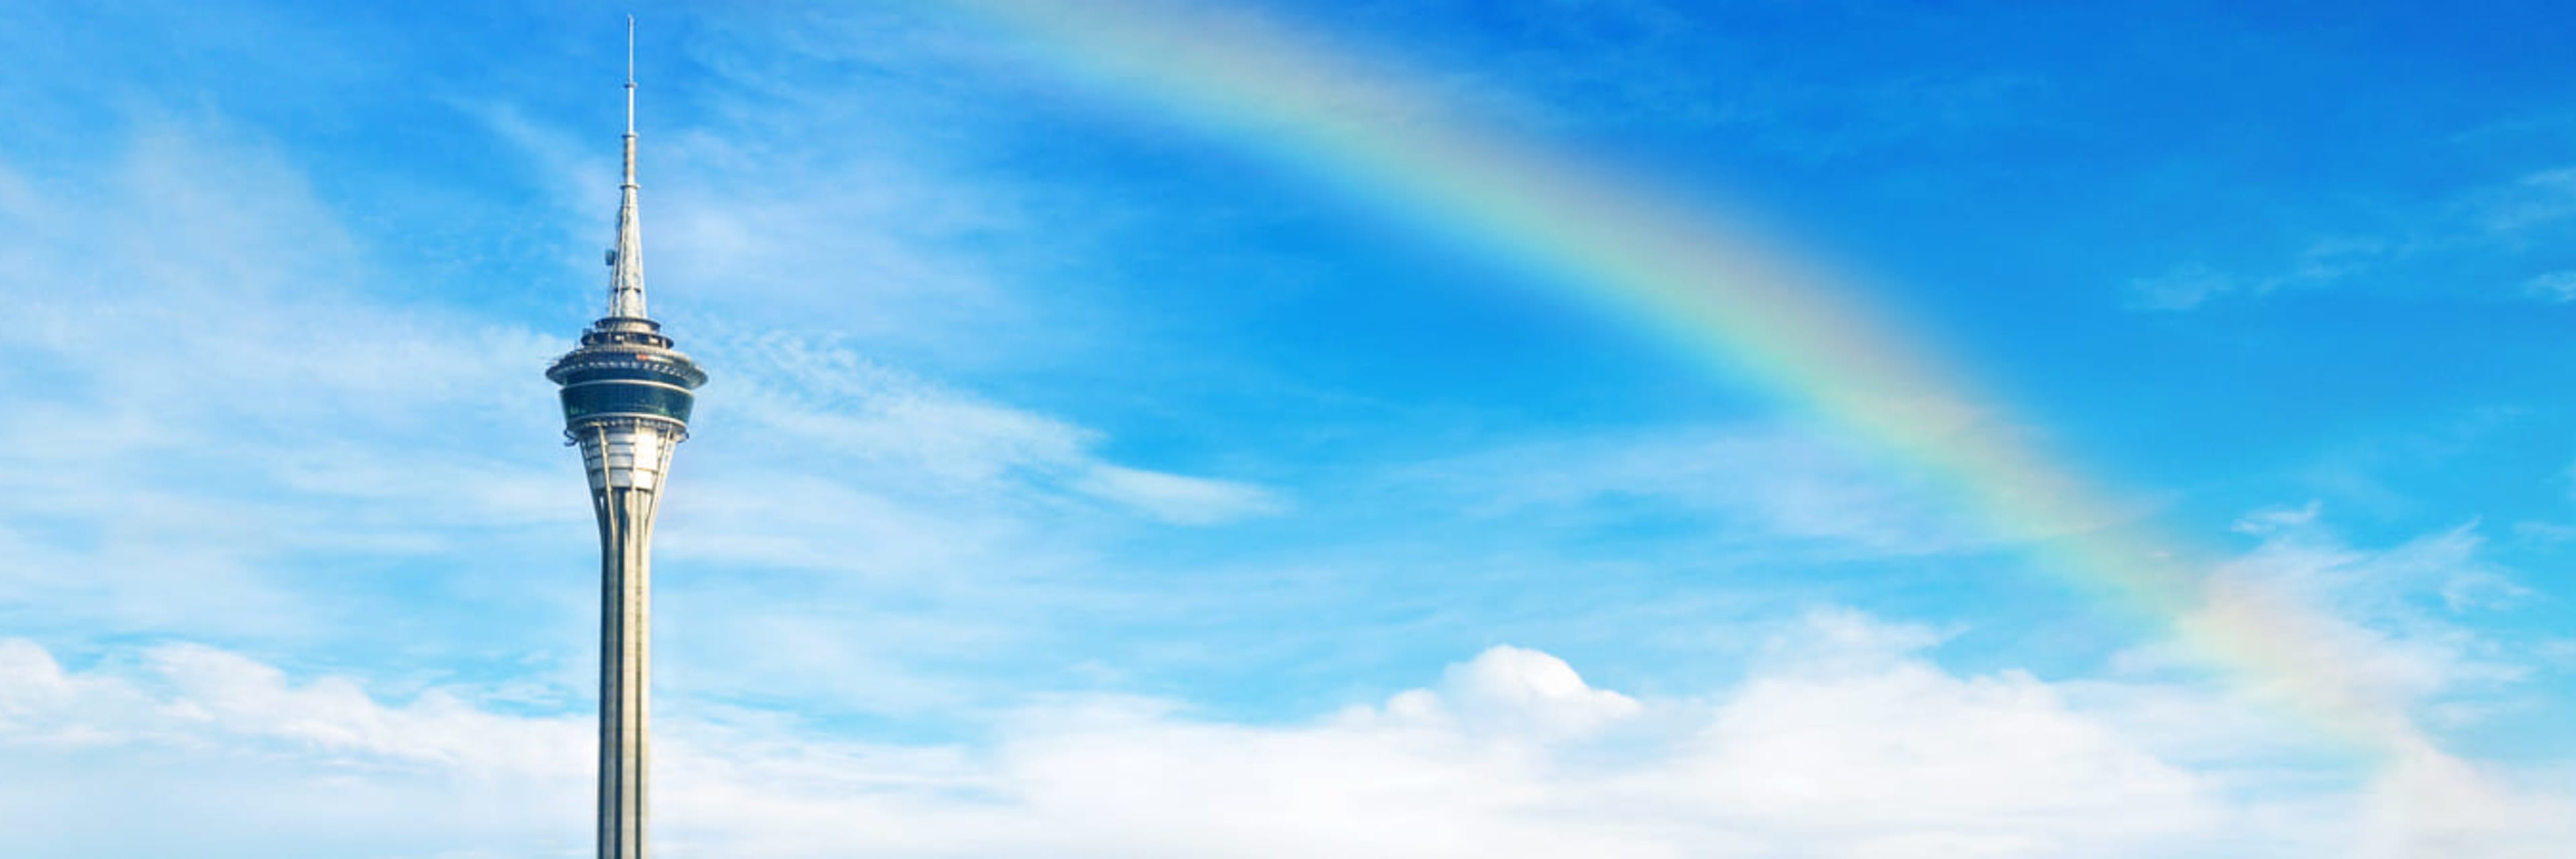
1082	475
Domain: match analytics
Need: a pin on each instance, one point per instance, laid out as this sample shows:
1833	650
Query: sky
1181	428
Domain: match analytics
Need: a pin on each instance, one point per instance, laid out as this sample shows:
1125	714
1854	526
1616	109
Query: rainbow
1723	296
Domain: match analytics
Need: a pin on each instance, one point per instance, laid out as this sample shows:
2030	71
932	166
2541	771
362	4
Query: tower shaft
626	464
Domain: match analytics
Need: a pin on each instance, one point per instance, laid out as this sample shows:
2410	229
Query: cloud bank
1842	741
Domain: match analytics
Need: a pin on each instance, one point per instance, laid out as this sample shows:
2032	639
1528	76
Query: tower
626	400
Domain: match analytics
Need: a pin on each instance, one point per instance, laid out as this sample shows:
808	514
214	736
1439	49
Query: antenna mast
630	74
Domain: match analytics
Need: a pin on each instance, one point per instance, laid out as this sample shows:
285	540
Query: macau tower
626	399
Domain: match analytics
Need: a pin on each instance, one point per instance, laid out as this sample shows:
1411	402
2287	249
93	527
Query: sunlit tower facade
626	400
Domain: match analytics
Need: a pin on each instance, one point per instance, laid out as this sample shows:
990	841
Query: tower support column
626	460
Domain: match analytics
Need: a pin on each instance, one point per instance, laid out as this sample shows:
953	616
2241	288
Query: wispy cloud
832	404
2397	625
232	420
2320	264
195	383
2557	287
1759	485
2499	219
1176	498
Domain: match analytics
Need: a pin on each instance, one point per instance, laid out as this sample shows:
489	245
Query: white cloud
2378	645
2506	218
1514	690
2188	286
2558	287
2530	201
2275	519
830	404
2183	288
1176	498
1843	741
2430	805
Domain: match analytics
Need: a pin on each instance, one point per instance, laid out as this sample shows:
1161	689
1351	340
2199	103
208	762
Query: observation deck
626	371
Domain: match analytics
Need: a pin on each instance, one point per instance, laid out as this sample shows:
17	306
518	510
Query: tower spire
626	260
